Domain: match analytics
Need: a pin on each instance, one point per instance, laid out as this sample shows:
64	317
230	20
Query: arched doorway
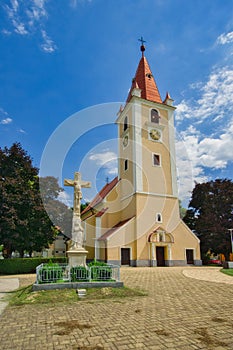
161	247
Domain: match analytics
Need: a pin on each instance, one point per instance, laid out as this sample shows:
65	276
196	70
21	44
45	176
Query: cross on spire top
142	46
142	40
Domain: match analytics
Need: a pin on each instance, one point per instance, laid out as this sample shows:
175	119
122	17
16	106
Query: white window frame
157	216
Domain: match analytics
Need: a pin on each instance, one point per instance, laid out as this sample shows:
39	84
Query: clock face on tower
125	140
155	134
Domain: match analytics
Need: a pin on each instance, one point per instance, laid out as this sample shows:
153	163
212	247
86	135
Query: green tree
24	224
58	212
84	205
210	215
182	210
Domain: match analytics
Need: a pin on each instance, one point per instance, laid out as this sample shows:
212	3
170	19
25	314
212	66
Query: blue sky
60	57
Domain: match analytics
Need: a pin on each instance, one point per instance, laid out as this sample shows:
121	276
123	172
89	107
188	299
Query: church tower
146	137
146	229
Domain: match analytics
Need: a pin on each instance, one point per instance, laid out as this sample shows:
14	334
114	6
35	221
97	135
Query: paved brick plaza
179	313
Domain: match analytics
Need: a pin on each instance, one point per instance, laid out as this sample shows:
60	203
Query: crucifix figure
77	230
77	184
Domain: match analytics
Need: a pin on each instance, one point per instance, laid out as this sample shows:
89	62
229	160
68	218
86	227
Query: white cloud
225	38
28	17
215	153
188	162
22	131
215	99
5	32
74	3
66	198
36	12
18	24
6	121
198	153
19	27
48	44
195	153
106	159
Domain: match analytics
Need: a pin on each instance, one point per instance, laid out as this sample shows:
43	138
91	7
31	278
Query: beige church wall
148	106
184	239
113	254
149	206
128	208
91	252
112	215
102	251
126	183
90	235
120	204
109	220
156	179
171	214
143	248
163	183
124	236
127	112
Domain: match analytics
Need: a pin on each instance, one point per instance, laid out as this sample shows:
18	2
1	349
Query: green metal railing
62	273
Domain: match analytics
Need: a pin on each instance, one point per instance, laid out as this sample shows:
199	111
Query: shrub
25	265
79	273
97	263
101	273
50	273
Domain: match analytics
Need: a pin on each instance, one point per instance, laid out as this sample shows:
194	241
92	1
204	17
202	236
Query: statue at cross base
77	253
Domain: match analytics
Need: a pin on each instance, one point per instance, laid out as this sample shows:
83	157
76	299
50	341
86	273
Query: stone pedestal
77	257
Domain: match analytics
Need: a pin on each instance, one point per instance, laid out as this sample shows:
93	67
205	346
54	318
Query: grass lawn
25	295
228	272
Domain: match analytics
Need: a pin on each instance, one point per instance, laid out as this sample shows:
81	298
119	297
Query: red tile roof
144	80
107	234
101	212
101	195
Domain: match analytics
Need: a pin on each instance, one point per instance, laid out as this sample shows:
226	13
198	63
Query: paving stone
185	310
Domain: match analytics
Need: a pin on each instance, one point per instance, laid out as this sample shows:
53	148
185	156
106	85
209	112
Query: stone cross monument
77	254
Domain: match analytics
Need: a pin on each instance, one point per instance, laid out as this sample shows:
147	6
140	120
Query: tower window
126	123
126	164
156	159
158	217
154	116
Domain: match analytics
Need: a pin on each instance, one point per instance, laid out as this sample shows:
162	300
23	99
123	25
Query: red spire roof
144	80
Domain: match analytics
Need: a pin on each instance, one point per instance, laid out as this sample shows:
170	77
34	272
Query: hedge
25	265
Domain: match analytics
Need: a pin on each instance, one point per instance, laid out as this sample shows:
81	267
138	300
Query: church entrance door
160	256
125	256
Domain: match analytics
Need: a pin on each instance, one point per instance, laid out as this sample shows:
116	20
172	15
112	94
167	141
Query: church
134	220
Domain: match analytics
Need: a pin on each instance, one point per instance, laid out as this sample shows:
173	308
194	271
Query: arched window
126	164
126	123
154	116
158	217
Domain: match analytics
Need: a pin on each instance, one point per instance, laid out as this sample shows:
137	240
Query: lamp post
230	230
